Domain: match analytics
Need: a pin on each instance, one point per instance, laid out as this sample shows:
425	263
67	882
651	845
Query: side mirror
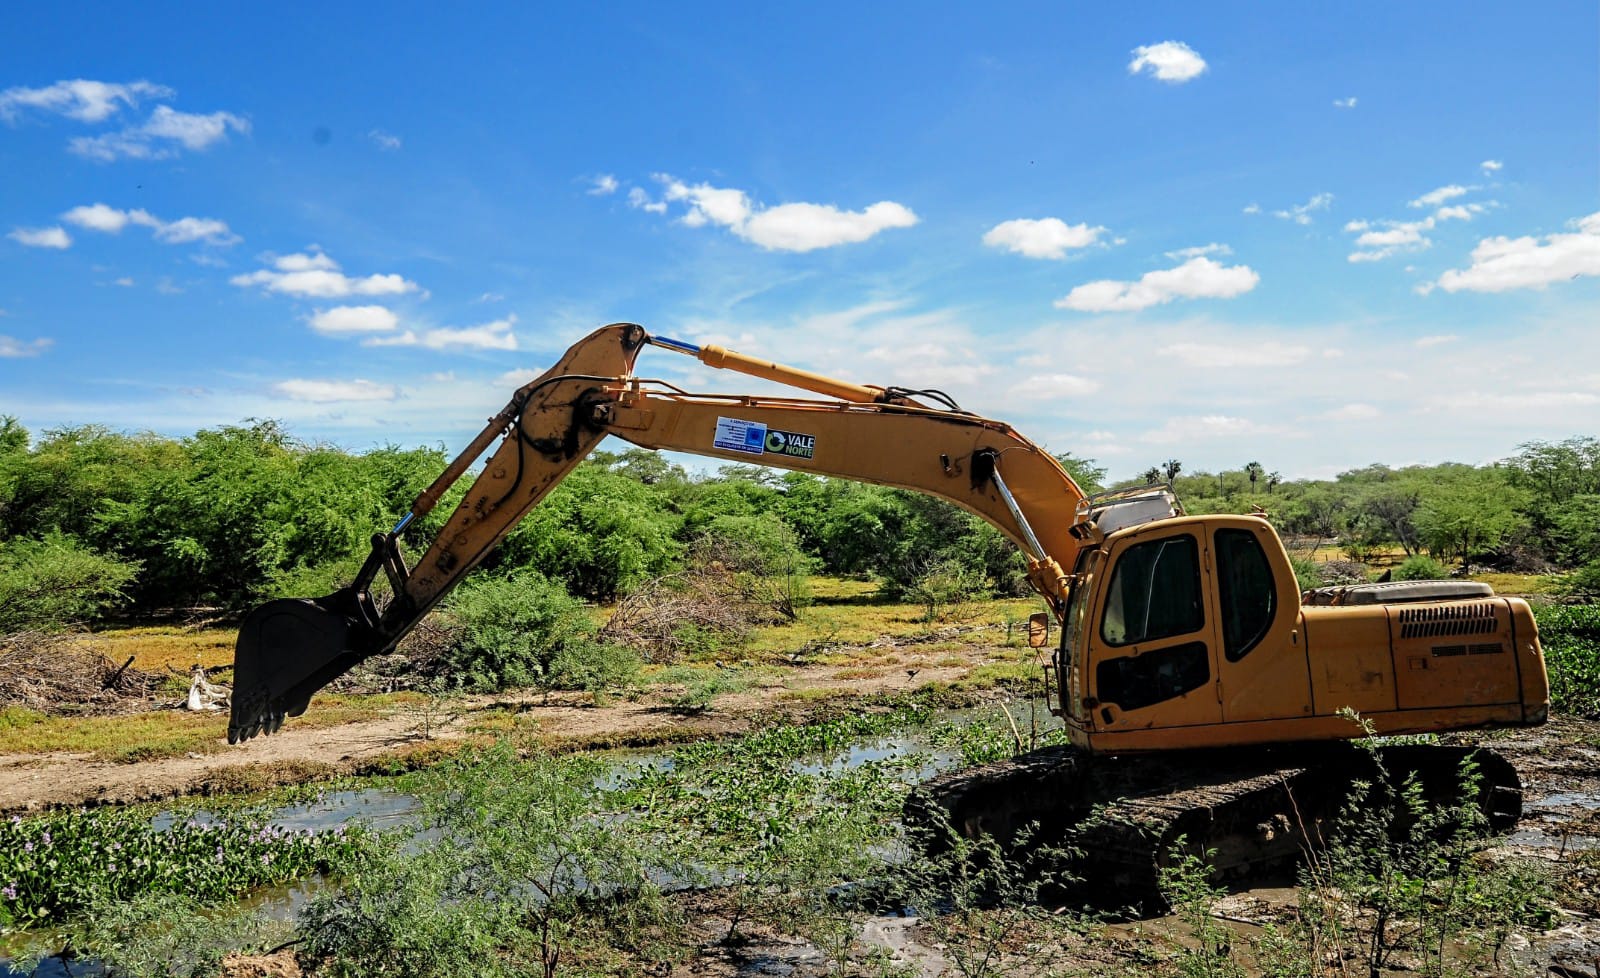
1038	630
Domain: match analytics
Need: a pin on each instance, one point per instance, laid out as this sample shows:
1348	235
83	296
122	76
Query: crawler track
1251	814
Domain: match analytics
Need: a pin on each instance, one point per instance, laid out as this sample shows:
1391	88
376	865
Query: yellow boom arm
289	649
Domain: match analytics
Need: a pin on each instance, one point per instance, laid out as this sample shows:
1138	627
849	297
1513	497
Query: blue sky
1316	239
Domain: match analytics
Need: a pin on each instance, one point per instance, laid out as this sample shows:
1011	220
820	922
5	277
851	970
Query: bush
1583	583
1570	635
55	583
509	631
594	667
943	587
762	559
1420	568
1307	573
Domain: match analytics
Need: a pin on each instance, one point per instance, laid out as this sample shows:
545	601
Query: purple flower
45	838
10	892
27	847
16	820
113	867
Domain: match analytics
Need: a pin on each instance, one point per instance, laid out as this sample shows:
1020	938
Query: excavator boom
290	648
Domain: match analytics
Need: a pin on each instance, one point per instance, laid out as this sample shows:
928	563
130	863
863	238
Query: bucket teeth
287	650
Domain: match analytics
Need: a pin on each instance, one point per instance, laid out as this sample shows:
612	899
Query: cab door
1262	663
1152	658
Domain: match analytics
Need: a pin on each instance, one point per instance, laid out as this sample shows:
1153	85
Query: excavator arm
290	648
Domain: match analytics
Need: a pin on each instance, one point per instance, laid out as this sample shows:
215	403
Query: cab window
1245	586
1154	592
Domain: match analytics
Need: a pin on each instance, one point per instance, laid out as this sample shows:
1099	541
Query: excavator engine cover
287	650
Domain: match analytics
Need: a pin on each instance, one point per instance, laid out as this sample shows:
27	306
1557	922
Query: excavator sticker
755	438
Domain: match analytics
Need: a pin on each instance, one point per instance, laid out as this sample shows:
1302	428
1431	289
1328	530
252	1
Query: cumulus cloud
1181	429
1252	208
1169	61
1434	198
1491	166
786	227
343	320
641	200
603	185
1056	386
1438	339
1345	103
1199	250
80	98
110	220
1270	353
1197	278
1353	412
316	276
1301	213
1048	237
328	391
11	347
51	237
496	335
1500	264
160	136
388	142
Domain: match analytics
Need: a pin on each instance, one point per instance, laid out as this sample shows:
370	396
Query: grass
1519	583
130	737
159	647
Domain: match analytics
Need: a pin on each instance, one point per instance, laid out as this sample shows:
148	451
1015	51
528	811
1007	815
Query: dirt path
33	781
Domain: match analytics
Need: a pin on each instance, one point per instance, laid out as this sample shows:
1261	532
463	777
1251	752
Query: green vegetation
56	865
1570	635
1420	567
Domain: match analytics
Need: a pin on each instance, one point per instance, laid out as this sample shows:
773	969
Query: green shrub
56	583
1583	583
1420	568
1570	635
509	631
594	667
762	557
943	587
1307	573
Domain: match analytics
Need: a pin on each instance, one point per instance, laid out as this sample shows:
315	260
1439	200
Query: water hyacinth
54	865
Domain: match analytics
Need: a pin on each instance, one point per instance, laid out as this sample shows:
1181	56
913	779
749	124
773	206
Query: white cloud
1500	264
1055	386
1267	353
326	391
125	281
1353	412
1199	250
109	220
386	141
641	200
1169	61
1182	429
341	320
1301	213
1197	278
1491	166
496	335
603	185
786	227
51	237
1252	208
160	136
1345	103
11	347
1440	339
317	276
1435	197
1048	237
517	378
80	98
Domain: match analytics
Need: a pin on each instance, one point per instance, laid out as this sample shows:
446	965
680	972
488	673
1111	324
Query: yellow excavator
1202	693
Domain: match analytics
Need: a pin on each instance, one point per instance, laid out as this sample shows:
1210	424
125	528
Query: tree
1089	476
1273	479
1474	511
1172	468
1254	471
1152	475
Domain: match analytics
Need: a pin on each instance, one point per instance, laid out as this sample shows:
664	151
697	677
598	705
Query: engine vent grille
1437	621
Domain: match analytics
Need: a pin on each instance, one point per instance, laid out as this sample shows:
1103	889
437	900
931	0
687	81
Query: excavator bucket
287	650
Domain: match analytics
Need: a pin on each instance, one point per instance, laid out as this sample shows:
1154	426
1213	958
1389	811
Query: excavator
1204	697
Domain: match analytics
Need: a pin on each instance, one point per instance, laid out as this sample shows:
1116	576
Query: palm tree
1152	475
1254	471
1173	467
1273	479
